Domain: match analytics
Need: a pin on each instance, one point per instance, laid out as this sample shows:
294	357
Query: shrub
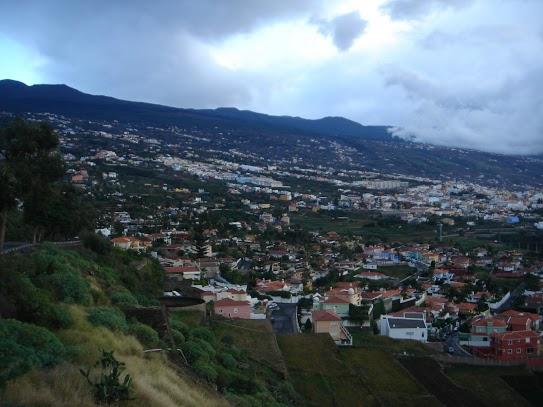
66	286
145	334
123	298
178	337
228	361
111	318
24	346
203	333
227	340
205	370
180	326
193	351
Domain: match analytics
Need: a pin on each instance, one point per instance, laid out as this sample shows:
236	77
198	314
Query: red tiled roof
227	302
324	315
496	322
335	300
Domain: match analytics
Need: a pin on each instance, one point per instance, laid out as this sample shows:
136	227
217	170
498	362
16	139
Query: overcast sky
467	73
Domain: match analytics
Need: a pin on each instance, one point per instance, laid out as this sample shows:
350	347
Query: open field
488	383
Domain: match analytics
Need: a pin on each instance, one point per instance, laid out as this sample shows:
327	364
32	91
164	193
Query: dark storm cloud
343	29
143	49
468	76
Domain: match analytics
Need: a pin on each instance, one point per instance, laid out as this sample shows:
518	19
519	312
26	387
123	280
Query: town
315	248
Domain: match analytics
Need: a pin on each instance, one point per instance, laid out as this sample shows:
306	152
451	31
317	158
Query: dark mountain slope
285	137
61	99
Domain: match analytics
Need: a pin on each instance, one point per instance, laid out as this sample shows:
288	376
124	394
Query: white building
404	328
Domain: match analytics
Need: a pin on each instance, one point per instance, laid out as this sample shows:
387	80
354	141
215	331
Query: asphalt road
452	341
284	319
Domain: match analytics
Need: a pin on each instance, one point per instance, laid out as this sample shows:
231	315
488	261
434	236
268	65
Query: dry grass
88	340
62	386
158	384
156	381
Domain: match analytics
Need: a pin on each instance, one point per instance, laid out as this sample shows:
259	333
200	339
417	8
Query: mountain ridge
19	97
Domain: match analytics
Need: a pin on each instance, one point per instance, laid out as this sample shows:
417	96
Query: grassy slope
487	382
255	336
320	374
156	381
387	379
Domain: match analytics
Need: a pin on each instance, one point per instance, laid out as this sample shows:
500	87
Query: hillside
60	308
336	140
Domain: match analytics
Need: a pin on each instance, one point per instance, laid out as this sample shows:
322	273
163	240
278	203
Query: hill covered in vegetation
60	308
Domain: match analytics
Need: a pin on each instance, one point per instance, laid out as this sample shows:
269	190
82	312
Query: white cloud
463	72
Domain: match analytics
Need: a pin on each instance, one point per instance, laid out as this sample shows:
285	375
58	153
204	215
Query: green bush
178	337
66	286
203	333
227	340
145	334
205	370
180	326
228	361
123	298
111	318
193	351
24	346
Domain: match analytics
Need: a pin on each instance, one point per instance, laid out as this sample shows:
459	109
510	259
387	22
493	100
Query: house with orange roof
328	322
131	243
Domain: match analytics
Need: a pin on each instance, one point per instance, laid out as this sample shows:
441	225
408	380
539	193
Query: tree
34	165
31	169
8	199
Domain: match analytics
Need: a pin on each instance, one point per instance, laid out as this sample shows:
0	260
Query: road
452	341
284	319
24	247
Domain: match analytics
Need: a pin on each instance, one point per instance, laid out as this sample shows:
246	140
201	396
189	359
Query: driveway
284	319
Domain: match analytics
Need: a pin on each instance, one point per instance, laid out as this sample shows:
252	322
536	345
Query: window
519	350
510	342
528	340
529	351
509	351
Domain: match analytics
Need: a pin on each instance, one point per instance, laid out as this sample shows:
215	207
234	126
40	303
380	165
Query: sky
466	73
